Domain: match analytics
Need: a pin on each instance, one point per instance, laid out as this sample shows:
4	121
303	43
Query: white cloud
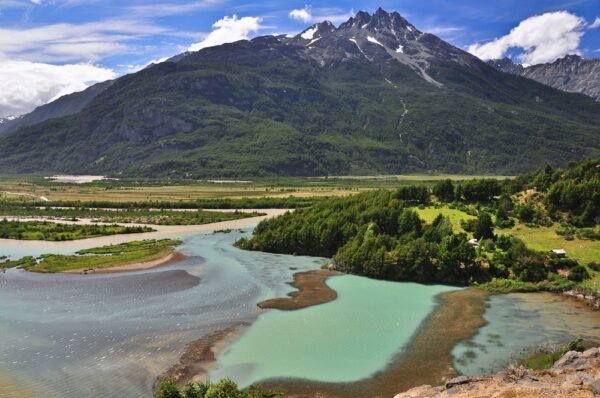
25	85
164	9
228	30
544	38
595	24
301	14
88	42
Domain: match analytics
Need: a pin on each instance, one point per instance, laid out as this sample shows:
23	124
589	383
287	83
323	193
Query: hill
380	234
372	96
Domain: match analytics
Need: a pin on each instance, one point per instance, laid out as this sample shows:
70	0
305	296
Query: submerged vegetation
44	230
380	234
99	257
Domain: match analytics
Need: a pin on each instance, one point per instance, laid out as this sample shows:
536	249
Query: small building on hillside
560	253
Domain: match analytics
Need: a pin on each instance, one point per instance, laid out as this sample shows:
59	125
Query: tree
484	227
409	221
444	190
224	389
167	389
502	219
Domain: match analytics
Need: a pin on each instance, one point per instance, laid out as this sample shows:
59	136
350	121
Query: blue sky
77	42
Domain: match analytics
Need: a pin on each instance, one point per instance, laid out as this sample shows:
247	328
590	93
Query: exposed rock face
571	73
575	375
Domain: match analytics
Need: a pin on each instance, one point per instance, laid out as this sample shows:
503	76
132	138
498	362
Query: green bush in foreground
547	356
223	389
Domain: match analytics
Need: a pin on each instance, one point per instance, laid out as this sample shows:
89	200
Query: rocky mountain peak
570	73
317	31
505	65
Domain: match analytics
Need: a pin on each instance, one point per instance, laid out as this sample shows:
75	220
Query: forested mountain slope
374	95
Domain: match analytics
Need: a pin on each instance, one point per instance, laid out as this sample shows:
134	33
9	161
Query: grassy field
546	238
456	216
100	257
138	216
41	230
34	188
541	239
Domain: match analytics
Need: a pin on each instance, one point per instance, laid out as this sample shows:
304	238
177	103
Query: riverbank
162	231
312	290
199	356
167	259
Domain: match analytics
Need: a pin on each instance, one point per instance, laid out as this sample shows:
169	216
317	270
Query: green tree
224	389
484	227
444	190
168	389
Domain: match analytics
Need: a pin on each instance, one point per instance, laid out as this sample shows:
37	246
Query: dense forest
379	234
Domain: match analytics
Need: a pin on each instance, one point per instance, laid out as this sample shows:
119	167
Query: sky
49	48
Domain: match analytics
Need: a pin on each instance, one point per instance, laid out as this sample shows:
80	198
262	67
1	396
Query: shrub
578	274
594	266
576	345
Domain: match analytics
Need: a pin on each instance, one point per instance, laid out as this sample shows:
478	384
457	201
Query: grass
428	214
42	230
101	257
129	190
546	238
543	360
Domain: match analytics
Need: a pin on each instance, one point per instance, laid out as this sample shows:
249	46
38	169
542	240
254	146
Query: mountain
372	96
63	106
571	73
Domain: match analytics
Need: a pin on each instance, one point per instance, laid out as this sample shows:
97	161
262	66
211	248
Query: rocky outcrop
571	73
575	375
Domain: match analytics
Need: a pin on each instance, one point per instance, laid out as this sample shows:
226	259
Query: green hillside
271	107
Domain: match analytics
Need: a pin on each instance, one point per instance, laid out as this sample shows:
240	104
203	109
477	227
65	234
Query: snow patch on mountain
374	40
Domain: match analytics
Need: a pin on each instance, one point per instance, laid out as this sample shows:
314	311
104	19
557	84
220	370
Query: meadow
140	190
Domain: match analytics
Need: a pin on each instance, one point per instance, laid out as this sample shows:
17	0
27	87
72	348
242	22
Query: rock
425	391
464	380
575	375
566	361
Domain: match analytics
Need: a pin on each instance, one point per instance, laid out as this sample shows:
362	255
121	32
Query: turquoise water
112	335
344	340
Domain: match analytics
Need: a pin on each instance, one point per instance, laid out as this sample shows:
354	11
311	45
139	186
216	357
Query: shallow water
344	340
520	323
111	335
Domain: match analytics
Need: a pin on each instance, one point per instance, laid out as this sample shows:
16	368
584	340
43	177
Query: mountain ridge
570	73
374	95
